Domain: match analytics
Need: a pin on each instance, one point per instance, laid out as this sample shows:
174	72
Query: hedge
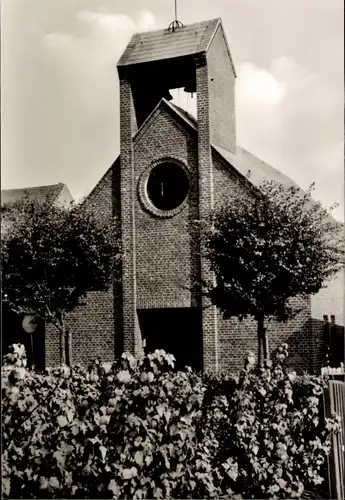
138	428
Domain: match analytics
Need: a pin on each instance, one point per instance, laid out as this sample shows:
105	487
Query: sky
60	98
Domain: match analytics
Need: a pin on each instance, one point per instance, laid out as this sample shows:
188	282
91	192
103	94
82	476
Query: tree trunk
69	348
62	342
260	341
62	348
31	364
266	350
263	351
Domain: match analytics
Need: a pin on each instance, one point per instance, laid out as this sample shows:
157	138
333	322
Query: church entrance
178	331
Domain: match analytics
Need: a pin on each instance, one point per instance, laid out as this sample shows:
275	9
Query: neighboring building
173	170
12	330
55	193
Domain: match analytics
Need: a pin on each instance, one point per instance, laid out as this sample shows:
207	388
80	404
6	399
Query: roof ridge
26	188
163	44
190	25
48	192
211	27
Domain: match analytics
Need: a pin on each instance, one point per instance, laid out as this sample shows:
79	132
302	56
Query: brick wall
96	327
52	346
166	248
131	335
92	331
221	79
236	338
206	204
227	183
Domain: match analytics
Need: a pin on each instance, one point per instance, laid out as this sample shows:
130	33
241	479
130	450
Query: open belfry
172	171
160	239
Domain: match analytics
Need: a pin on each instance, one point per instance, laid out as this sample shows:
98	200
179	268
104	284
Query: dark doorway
178	331
12	332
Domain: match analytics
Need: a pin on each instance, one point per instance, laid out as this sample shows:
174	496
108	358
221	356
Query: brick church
172	170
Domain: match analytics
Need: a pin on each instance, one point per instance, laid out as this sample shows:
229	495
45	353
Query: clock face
167	186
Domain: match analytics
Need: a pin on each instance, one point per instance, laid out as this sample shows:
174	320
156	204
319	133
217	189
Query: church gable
166	243
164	133
171	131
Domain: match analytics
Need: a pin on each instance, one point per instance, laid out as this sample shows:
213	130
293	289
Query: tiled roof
253	168
165	44
39	193
190	119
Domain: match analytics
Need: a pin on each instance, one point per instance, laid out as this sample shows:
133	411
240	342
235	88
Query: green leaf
282	483
114	488
6	486
54	482
70	415
44	484
62	421
127	474
139	458
103	451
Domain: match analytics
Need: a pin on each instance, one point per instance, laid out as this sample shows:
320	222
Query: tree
265	251
52	257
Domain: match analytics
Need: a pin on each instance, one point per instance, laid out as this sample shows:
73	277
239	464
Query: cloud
82	68
258	86
292	118
86	65
107	33
146	21
106	27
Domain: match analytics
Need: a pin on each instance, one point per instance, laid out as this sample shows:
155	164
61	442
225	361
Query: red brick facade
162	252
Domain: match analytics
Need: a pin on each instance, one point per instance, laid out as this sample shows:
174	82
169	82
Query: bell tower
197	58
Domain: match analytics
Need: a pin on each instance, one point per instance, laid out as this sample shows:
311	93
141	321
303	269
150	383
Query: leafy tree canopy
52	256
266	250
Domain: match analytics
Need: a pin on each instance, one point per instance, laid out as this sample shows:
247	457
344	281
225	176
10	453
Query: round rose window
167	186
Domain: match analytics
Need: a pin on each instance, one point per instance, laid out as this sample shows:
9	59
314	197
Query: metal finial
175	24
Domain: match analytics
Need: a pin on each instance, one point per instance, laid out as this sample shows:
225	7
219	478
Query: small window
167	186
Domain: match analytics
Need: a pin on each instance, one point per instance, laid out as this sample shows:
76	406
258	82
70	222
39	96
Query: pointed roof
166	44
39	193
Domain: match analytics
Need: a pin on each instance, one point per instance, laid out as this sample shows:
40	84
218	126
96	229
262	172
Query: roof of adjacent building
166	44
39	193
